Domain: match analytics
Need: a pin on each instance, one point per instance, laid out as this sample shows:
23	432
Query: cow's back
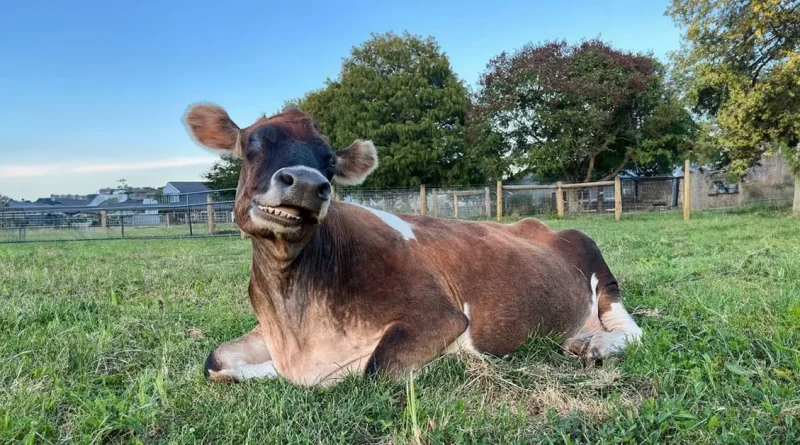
512	279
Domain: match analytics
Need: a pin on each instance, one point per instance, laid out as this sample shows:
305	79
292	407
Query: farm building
178	192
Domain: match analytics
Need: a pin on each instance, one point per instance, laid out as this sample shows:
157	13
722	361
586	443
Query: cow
340	289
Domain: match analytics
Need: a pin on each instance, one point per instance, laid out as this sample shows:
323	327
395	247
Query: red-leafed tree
578	113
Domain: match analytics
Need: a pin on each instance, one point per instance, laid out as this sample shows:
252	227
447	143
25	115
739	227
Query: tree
123	186
4	200
580	112
224	174
740	67
400	92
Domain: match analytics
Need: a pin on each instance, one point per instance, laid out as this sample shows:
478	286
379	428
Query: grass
104	342
115	232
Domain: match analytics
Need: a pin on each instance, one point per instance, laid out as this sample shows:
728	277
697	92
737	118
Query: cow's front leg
242	359
410	344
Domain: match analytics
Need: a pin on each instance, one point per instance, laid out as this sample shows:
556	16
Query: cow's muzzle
296	195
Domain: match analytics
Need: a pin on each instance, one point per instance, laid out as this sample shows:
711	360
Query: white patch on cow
593	283
464	341
392	221
621	326
605	335
243	372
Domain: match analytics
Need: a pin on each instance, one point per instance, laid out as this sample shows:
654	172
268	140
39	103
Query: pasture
104	342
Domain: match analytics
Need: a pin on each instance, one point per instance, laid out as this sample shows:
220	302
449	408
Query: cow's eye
252	150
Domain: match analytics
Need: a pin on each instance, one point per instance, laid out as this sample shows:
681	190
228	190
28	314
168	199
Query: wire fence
191	215
212	213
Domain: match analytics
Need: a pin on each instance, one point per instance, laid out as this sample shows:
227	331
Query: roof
126	203
190	187
21	204
45	202
39	204
68	202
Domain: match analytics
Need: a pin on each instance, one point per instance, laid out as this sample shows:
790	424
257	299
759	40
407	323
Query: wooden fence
559	188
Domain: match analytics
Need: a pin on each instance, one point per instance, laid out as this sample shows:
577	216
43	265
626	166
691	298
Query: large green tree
4	200
740	66
401	92
578	113
224	174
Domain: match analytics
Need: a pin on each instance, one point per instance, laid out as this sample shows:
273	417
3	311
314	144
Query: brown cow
339	288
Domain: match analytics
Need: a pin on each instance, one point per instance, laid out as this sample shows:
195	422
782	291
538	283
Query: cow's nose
302	187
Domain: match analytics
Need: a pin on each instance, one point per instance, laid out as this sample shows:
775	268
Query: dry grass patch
592	392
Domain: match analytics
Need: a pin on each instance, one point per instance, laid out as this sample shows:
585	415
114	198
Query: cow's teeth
278	212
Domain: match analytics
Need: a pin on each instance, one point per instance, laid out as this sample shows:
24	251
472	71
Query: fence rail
212	214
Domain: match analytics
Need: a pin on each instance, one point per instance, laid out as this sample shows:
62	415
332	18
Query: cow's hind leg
608	329
411	344
242	359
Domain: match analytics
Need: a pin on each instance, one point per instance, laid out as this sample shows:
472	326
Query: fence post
168	217
103	219
189	216
122	222
796	202
687	191
210	214
488	199
617	198
423	200
435	198
559	200
455	205
499	199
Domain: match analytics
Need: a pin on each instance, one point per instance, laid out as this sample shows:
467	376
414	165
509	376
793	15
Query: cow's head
285	182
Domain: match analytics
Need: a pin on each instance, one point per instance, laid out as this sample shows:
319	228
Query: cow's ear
355	163
211	126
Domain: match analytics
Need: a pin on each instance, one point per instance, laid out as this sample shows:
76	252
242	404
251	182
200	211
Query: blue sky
93	91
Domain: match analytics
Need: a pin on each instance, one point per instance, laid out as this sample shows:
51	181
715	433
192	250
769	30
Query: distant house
178	192
131	210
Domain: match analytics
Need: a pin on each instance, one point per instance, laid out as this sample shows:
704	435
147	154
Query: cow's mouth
283	214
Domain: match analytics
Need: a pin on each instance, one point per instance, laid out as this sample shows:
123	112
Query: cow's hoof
577	345
219	377
600	346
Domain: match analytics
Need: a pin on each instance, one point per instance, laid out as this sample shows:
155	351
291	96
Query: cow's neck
288	277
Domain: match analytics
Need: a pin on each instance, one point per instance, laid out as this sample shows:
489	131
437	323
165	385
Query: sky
94	91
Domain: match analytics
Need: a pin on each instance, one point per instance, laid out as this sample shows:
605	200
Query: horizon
95	92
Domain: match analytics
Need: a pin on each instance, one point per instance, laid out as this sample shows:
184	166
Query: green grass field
116	232
104	342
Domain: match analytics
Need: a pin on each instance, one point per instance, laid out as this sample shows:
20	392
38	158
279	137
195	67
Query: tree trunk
619	168
590	169
796	206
